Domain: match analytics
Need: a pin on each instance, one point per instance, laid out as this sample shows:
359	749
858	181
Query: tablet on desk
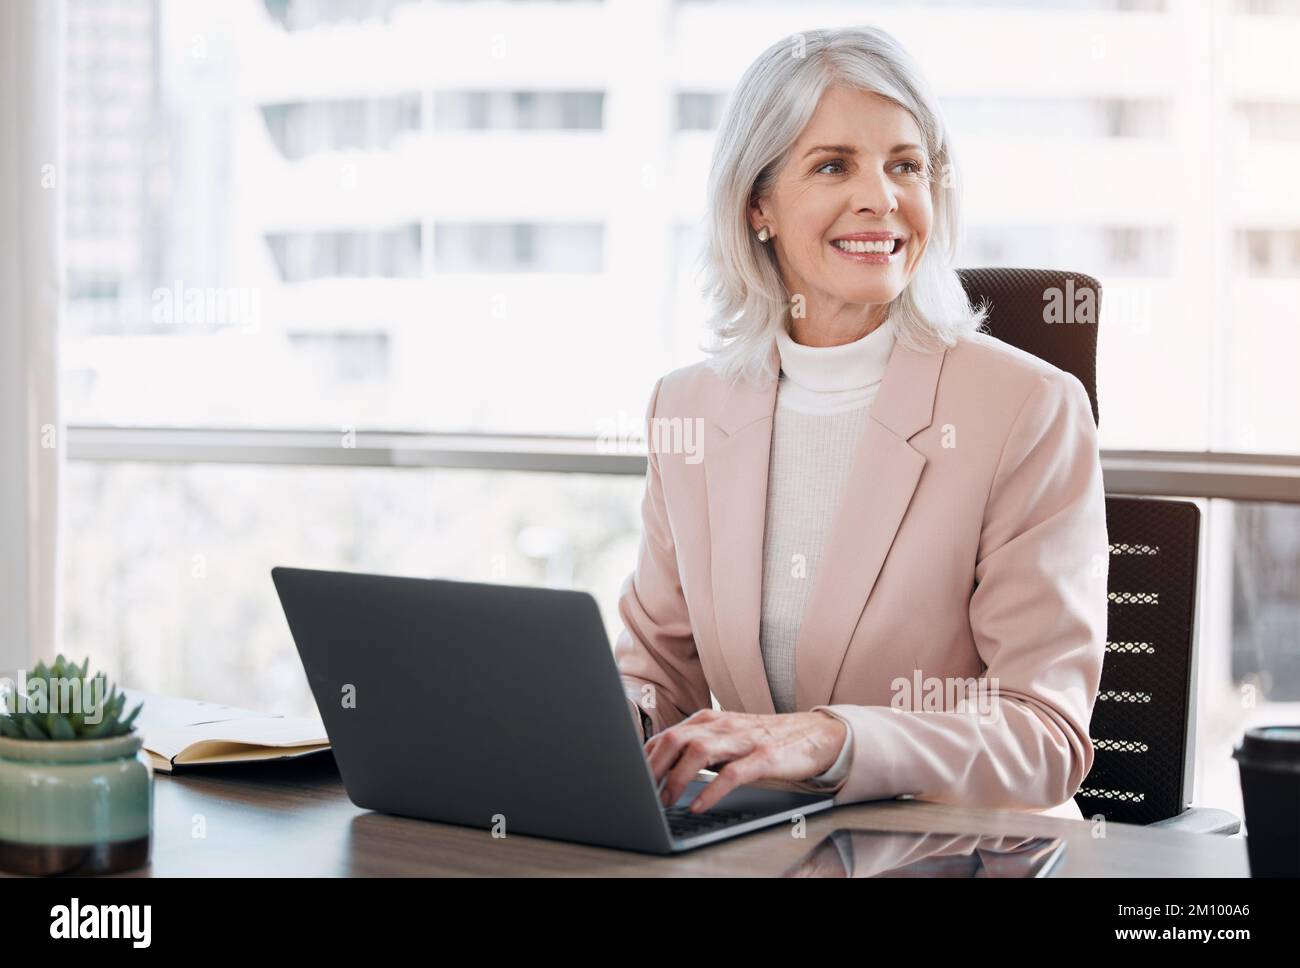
898	853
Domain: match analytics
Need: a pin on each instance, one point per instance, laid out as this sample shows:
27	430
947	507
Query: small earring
764	234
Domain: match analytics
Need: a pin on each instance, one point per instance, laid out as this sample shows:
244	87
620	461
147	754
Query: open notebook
188	732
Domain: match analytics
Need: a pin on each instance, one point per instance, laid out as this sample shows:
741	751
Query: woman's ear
758	215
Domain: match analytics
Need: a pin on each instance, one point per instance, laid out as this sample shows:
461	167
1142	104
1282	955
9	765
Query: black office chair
1143	722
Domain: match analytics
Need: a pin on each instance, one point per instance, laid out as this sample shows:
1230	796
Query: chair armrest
1201	820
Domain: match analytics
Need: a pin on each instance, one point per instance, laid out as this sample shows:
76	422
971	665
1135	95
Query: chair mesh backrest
1139	722
1019	301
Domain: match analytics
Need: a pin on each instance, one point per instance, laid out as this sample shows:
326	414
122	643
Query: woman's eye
914	168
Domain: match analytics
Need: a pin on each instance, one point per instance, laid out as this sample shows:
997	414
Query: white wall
31	445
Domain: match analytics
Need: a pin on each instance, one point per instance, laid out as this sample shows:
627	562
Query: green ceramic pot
75	806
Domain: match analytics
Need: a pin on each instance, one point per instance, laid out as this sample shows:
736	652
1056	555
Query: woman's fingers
663	748
744	748
702	747
679	757
696	754
747	769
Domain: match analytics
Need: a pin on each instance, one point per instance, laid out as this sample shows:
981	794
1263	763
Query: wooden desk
295	819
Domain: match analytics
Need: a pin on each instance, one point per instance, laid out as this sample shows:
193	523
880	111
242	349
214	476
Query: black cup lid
1271	744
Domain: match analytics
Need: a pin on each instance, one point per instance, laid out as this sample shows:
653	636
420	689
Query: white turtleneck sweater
824	395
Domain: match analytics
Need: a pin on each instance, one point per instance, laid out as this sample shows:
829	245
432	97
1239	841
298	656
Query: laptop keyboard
682	823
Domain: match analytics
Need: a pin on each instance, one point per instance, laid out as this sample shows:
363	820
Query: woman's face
858	169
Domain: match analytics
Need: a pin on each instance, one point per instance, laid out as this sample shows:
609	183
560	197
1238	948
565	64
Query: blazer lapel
735	470
884	473
883	476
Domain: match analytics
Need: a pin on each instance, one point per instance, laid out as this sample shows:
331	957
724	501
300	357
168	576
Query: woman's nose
873	192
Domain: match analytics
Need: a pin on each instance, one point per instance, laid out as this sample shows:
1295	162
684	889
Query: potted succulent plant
76	793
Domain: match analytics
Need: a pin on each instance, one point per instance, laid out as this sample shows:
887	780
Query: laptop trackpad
753	799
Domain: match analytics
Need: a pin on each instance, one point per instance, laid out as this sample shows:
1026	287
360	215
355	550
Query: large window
523	192
452	218
168	565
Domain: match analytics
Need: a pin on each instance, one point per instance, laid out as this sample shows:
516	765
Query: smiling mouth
883	247
876	252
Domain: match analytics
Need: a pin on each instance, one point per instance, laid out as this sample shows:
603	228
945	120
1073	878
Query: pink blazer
971	548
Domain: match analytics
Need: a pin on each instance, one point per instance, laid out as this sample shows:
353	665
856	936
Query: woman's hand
786	746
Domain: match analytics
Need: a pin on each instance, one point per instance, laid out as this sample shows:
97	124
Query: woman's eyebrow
850	150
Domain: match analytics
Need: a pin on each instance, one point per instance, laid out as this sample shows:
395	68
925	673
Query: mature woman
889	566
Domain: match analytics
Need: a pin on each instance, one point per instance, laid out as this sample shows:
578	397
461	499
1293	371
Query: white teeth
883	248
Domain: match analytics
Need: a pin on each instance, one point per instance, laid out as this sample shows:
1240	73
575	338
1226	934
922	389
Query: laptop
494	706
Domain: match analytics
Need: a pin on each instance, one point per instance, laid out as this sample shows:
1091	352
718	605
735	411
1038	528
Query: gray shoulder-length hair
769	109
